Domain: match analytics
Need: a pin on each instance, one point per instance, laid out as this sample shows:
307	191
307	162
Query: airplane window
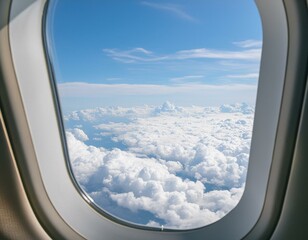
157	101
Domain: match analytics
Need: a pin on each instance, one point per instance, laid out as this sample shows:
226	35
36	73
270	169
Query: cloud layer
181	167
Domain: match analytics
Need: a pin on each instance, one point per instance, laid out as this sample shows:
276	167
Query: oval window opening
158	104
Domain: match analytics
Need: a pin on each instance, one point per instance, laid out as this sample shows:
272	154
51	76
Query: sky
117	52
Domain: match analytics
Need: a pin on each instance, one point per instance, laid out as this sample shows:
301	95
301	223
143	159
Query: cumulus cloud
79	134
239	107
181	167
167	107
85	159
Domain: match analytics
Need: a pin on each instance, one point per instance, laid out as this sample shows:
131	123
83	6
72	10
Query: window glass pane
158	103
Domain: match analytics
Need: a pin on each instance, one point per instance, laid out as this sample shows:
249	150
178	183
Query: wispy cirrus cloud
176	10
244	76
132	55
250	54
184	79
136	55
249	43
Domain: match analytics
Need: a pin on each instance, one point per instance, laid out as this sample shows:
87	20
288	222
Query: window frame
63	210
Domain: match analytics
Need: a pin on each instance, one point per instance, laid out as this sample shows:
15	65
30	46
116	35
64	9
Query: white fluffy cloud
85	159
186	166
79	134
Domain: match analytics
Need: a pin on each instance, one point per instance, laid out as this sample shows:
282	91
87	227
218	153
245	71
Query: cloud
249	44
250	54
183	136
172	8
185	167
82	89
85	159
167	107
239	107
79	134
186	78
145	184
244	76
133	56
79	95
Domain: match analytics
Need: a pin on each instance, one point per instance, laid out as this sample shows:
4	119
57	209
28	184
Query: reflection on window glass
158	103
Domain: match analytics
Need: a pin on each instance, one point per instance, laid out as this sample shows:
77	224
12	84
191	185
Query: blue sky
113	52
